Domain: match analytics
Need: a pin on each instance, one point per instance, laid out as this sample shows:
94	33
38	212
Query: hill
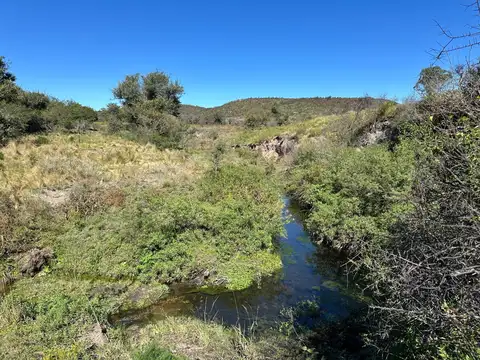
286	109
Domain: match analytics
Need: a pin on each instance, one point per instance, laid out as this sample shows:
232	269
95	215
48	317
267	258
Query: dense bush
23	112
175	236
149	105
407	215
155	86
153	352
353	196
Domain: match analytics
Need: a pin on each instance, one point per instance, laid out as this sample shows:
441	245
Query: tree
129	90
432	80
5	75
459	41
155	86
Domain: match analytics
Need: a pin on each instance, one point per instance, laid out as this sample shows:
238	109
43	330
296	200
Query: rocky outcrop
277	147
379	132
33	261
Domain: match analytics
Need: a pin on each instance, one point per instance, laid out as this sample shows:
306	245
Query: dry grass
310	128
68	159
196	339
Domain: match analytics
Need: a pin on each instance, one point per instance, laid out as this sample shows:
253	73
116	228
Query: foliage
175	237
256	120
434	255
128	91
353	196
69	115
157	86
284	110
13	121
150	104
153	352
5	75
432	80
407	215
23	112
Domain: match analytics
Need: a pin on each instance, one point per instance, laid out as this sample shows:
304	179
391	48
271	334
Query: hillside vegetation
275	111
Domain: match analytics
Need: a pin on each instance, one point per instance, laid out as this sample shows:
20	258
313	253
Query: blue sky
225	50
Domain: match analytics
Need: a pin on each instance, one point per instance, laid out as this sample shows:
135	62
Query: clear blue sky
224	50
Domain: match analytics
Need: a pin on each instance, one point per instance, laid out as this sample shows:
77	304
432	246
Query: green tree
129	90
432	80
69	115
5	75
155	86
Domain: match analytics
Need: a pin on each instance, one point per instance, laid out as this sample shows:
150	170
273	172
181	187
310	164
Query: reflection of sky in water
309	273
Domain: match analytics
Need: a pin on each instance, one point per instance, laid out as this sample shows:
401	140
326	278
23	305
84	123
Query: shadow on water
311	274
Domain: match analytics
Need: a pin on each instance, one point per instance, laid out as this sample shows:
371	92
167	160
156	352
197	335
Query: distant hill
286	109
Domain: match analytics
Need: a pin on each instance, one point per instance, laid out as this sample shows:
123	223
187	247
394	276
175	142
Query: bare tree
455	42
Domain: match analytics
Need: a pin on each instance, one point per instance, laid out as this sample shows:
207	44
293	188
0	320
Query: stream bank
311	276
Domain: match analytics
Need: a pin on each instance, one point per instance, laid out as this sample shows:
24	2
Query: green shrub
232	214
41	140
256	121
354	196
13	121
153	352
35	100
9	92
69	115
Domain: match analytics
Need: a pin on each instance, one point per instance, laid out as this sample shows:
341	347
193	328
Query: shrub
153	352
87	199
256	121
41	140
434	253
9	92
13	121
155	86
69	115
354	196
175	236
35	100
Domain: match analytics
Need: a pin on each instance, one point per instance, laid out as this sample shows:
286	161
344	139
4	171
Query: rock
33	261
96	336
378	133
277	147
201	279
55	198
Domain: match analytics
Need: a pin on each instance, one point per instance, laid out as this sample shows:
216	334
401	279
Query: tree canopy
136	89
432	80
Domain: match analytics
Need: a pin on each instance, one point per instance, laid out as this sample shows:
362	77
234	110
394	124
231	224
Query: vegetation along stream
312	276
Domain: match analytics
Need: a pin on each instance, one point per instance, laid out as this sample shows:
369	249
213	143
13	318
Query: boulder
34	260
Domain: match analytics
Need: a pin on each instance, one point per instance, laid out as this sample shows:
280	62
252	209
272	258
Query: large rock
379	132
33	261
277	147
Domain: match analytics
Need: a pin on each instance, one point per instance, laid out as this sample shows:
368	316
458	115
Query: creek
312	275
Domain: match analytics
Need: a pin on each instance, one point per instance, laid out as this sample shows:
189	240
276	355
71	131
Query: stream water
311	275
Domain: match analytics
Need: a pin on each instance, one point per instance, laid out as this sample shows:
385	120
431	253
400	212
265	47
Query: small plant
256	121
218	152
41	140
218	118
154	352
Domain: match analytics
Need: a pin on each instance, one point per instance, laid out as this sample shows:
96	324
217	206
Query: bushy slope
295	109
